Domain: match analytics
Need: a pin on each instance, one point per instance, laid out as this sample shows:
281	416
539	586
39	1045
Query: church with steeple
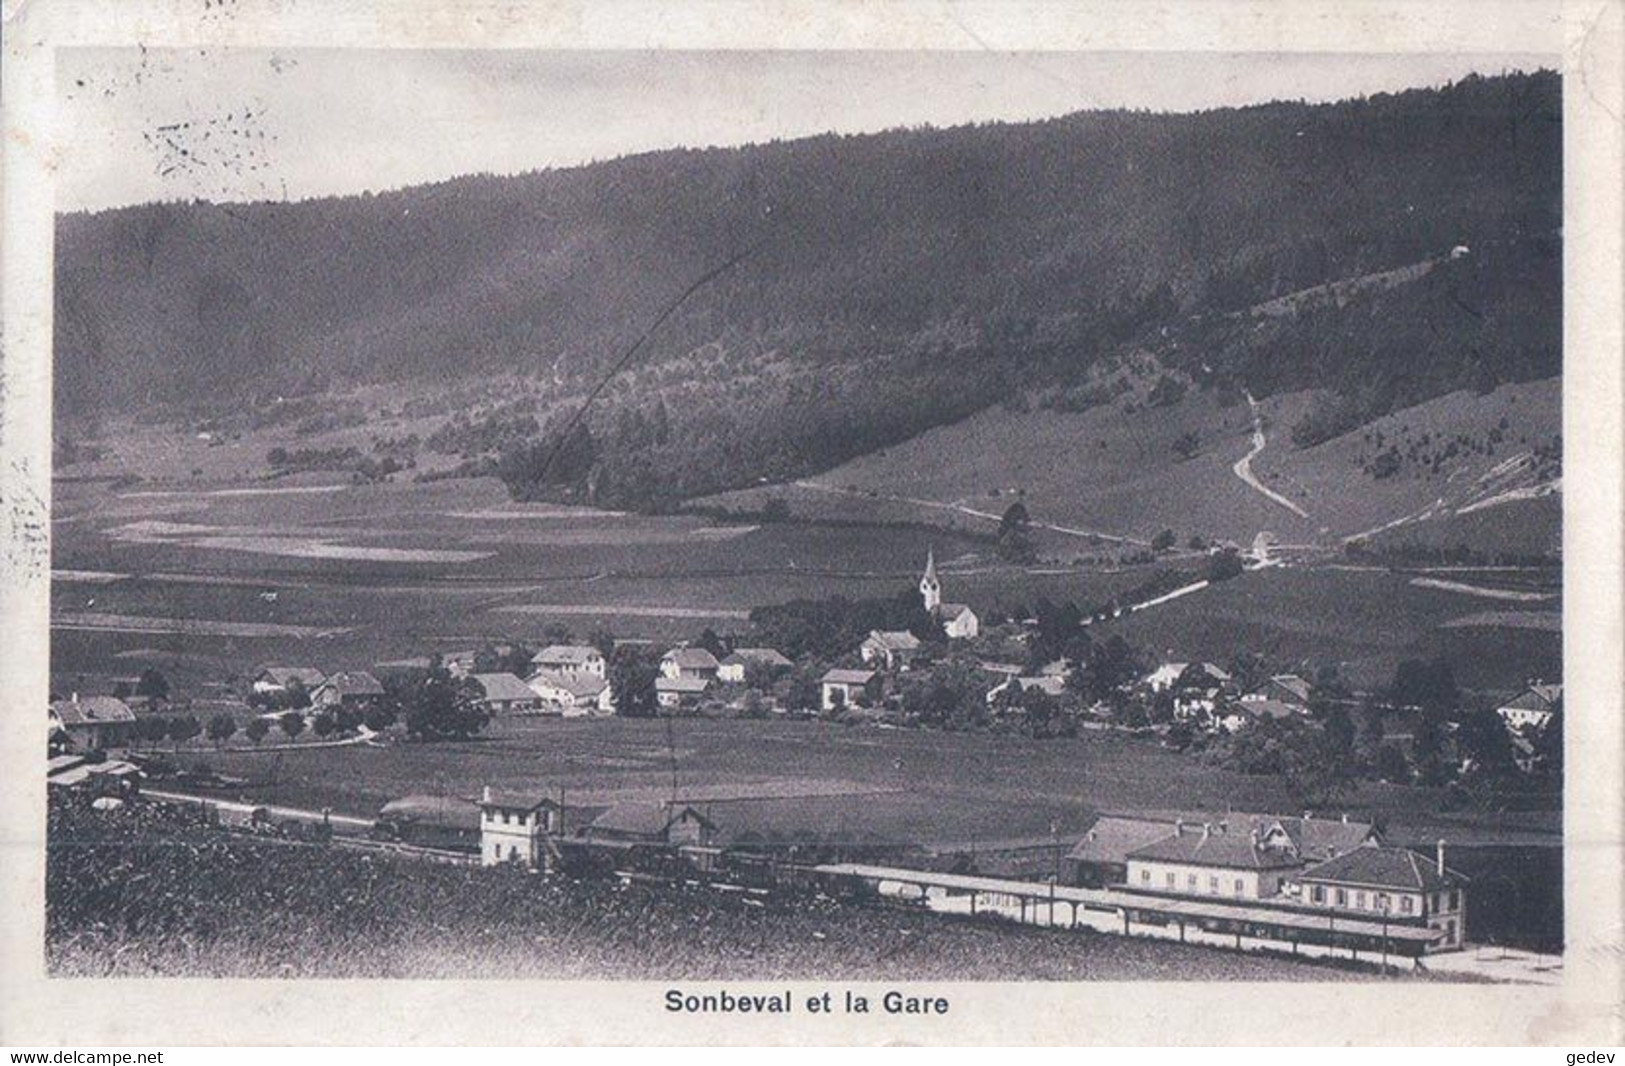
958	621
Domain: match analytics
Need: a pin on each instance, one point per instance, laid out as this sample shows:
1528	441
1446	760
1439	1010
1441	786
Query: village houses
572	695
889	649
732	669
1052	685
679	693
1242	712
276	680
570	660
1533	708
839	689
353	689
505	694
1287	689
93	722
688	662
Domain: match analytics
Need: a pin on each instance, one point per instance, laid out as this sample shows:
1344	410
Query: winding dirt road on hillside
1244	465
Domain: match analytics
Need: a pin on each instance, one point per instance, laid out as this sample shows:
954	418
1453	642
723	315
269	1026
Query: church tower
930	587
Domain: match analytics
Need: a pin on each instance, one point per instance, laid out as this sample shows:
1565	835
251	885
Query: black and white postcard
787	523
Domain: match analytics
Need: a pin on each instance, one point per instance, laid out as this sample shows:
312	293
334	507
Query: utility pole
1055	874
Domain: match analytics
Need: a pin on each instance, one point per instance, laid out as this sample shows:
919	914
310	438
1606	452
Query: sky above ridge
137	125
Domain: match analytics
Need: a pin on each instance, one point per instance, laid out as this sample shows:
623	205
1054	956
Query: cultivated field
1366	620
209	583
826	781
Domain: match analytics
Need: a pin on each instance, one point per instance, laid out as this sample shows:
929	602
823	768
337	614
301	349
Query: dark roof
451	811
577	685
848	677
1535	698
514	799
1230	846
1111	838
680	684
1267	708
1315	837
353	683
1382	867
953	610
503	687
1196	671
766	656
92	710
692	659
566	653
892	640
643	819
1285	687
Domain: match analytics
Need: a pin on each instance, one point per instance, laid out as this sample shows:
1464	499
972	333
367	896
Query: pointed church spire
930	587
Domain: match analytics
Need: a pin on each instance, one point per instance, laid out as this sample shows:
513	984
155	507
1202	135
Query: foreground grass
150	892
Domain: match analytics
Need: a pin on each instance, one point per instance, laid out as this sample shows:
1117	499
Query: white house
517	827
277	679
959	621
732	669
1534	707
1198	691
1244	711
1163	677
572	659
845	688
572	695
1289	689
1052	685
347	688
690	663
93	721
674	692
893	649
459	664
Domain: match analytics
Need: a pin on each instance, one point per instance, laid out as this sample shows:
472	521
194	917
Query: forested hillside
887	283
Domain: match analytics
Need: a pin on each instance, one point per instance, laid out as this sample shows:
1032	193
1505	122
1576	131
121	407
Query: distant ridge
903	280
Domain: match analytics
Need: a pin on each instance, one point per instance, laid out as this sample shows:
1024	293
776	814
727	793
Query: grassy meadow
825	780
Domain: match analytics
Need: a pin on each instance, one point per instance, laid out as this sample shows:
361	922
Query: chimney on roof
485	794
1439	854
1207	828
1308	816
76	697
1345	817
